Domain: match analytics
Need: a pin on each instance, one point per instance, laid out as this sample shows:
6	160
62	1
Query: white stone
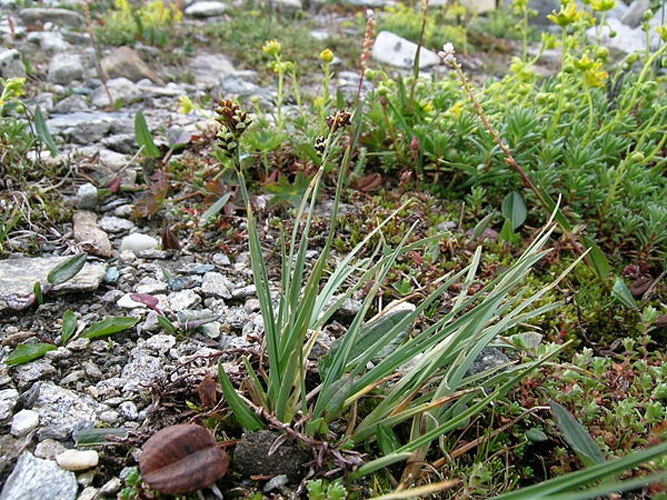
78	459
121	90
24	422
8	399
206	9
627	39
390	48
473	6
87	196
137	242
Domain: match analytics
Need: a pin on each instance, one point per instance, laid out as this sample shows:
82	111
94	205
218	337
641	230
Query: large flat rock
18	276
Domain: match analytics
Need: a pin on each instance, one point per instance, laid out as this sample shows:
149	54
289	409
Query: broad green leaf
143	136
27	352
246	417
66	270
577	436
514	209
213	210
68	327
43	132
623	295
109	326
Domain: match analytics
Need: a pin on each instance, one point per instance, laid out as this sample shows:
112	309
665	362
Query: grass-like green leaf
605	471
143	136
66	270
214	209
577	436
28	352
167	325
109	326
68	327
621	292
246	417
43	133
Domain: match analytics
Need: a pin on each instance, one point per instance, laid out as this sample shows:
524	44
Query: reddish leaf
114	185
170	241
148	300
182	459
207	390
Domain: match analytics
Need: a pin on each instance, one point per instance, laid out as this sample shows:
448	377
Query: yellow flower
596	77
603	5
326	56
272	48
568	14
662	31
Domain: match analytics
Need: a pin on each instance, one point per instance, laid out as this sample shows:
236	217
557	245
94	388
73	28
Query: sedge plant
420	382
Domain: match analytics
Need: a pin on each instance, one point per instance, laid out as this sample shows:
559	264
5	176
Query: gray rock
234	84
150	286
208	69
65	68
141	371
33	371
122	91
62	17
112	224
390	48
125	62
70	104
11	65
488	359
633	16
182	300
473	6
86	197
8	400
216	285
49	41
205	9
88	128
62	410
49	449
36	479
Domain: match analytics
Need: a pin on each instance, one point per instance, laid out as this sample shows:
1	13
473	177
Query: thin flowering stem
369	36
448	56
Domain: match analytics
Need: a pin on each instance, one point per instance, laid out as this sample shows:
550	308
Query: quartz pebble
75	460
136	242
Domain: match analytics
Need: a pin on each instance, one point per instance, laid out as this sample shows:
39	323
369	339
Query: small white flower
448	54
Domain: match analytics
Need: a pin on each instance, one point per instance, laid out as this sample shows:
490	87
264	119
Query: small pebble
23	422
88	493
86	197
49	449
75	460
